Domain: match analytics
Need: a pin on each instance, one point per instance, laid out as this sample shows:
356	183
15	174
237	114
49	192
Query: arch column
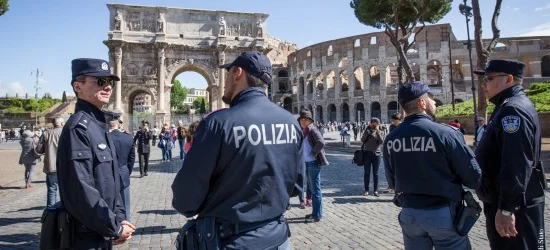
118	86
161	80
446	84
351	85
536	69
337	87
384	112
221	83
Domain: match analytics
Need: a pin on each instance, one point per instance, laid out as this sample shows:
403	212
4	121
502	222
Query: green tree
182	109
178	94
399	19
4	7
200	105
64	97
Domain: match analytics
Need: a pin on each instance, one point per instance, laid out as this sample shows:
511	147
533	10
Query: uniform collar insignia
101	146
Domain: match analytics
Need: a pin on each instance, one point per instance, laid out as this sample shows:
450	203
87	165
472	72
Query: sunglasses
488	78
102	81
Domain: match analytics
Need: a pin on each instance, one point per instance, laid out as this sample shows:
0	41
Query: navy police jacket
87	170
428	163
243	164
126	154
509	151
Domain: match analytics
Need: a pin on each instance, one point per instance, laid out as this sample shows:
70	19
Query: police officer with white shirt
428	163
512	189
243	165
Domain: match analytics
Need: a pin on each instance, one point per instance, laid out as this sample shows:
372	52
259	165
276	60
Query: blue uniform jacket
125	151
429	162
244	162
508	152
87	170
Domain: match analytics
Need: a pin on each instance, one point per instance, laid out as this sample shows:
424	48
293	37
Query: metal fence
135	121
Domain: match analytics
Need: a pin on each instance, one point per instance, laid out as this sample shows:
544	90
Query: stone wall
468	122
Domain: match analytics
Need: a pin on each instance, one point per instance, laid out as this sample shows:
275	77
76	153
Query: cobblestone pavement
350	220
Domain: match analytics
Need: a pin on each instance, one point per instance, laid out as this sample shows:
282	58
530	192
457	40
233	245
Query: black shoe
140	176
146	174
308	216
376	194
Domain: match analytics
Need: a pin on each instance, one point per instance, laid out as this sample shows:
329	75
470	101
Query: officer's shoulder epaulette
79	119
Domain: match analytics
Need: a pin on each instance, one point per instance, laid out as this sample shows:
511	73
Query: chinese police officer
428	163
87	169
243	165
512	188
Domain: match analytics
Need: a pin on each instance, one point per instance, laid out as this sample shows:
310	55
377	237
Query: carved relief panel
149	22
133	22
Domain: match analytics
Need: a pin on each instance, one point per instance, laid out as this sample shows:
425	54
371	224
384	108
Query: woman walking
165	143
27	157
143	137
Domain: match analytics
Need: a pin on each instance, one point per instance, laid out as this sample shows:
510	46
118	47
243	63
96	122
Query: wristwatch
506	213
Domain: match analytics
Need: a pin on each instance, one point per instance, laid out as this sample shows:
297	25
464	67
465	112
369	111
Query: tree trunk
481	58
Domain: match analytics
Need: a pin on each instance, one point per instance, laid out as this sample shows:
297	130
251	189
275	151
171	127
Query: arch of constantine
355	77
150	46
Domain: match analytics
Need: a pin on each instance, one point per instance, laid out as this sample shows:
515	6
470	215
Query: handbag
358	156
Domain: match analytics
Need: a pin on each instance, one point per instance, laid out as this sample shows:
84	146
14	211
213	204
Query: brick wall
468	122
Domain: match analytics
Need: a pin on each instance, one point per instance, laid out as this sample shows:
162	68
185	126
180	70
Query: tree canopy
200	104
178	94
399	19
64	97
4	7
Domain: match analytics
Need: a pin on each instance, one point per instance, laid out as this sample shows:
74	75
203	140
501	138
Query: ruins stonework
354	78
150	46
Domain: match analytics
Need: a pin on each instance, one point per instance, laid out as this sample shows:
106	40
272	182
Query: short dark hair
252	80
412	106
396	116
456	120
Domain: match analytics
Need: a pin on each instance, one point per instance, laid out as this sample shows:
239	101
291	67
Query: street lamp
467	12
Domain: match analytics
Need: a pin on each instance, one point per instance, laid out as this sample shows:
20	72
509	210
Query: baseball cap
255	63
413	90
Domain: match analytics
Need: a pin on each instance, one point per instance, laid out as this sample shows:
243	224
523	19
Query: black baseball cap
92	67
413	90
511	67
255	63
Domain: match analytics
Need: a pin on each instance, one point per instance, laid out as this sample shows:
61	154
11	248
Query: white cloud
12	88
539	30
543	7
516	9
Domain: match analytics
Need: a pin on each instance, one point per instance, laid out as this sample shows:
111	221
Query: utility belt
206	233
58	228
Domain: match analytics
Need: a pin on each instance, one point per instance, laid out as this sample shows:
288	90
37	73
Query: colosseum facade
354	78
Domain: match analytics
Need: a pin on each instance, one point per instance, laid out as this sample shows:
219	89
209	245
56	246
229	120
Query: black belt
227	229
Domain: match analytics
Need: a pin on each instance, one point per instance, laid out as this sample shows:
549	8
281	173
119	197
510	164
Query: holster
465	213
66	229
57	230
198	234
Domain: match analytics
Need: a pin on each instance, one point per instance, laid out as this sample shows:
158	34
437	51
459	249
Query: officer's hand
127	223
121	241
126	232
505	225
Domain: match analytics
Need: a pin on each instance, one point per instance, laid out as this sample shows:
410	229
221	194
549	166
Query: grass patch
538	93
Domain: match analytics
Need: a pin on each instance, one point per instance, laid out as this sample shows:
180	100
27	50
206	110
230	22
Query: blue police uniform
427	163
125	153
509	155
243	167
87	170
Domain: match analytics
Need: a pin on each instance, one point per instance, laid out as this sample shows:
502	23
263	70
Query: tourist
181	134
48	145
372	139
27	158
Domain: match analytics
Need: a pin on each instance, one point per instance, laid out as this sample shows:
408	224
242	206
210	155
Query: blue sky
49	34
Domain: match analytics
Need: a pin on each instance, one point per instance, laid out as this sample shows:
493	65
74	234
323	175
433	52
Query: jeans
29	171
125	194
144	163
314	182
169	153
51	184
165	155
182	147
372	161
429	228
307	186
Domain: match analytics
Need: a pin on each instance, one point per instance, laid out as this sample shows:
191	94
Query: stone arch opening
358	74
319	80
392	109
319	114
310	84
344	81
375	110
329	50
282	73
434	73
545	66
526	59
391	74
374	75
331	112
330	80
310	107
140	107
345	112
438	102
458	75
190	78
360	112
287	104
344	62
301	87
416	71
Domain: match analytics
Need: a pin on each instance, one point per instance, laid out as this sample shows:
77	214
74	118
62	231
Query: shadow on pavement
8	188
357	200
29	209
296	220
12	221
160	212
155	230
19	240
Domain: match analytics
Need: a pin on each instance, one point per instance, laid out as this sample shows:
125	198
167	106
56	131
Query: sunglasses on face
488	78
102	81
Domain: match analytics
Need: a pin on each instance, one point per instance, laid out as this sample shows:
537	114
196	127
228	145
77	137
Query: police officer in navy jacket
509	153
428	163
125	153
244	162
87	168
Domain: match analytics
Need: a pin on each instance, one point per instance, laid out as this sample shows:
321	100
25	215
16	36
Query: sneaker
376	194
366	193
302	205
